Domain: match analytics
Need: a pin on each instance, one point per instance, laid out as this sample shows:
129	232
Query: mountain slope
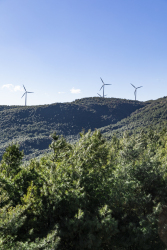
154	113
32	125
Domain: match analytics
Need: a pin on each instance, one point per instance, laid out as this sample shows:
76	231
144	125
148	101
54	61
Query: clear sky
59	49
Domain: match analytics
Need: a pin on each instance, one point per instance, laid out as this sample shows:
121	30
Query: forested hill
153	114
31	126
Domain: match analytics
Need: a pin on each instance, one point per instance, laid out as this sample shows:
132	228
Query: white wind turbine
136	90
25	93
103	86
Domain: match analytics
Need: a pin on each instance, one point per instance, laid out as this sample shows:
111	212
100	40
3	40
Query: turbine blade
30	92
102	80
23	95
101	87
24	87
107	84
132	85
139	87
99	95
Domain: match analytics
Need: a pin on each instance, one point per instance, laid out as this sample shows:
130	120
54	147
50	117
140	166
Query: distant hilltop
31	126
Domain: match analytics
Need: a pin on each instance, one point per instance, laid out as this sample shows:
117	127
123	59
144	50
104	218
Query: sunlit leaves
91	195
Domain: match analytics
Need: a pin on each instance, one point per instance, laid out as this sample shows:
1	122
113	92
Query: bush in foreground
91	195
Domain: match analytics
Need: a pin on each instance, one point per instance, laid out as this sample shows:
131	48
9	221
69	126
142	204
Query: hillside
31	126
154	114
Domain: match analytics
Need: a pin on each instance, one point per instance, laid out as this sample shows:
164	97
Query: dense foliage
93	194
31	126
154	113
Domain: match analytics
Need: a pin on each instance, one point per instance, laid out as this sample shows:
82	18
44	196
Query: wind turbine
135	90
103	86
25	93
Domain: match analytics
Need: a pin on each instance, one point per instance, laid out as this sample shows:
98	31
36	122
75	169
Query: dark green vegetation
95	194
31	126
154	113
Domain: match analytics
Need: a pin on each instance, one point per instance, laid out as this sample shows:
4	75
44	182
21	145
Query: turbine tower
135	90
25	93
103	86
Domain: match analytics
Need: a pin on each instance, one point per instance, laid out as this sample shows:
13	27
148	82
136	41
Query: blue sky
59	49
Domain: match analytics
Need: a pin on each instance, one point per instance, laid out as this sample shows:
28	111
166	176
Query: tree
91	195
11	160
